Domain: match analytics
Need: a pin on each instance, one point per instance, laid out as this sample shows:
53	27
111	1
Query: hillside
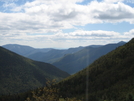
48	55
109	78
24	50
77	61
52	55
19	74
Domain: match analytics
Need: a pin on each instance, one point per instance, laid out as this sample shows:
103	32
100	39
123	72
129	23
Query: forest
109	78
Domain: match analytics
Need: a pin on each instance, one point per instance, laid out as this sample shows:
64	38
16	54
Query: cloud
113	1
57	14
65	14
113	12
31	20
66	40
76	35
6	5
87	35
130	33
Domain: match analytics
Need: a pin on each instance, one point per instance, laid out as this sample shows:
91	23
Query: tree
130	97
48	93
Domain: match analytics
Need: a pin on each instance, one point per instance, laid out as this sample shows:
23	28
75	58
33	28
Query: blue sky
65	23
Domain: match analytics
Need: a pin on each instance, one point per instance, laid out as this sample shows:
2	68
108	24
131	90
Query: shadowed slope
18	74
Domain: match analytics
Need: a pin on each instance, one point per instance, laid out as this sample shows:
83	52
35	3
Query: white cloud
6	5
113	1
113	12
60	36
64	14
87	35
72	39
129	34
29	21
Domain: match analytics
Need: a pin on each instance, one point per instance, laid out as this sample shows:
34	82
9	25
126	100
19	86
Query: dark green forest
109	78
19	74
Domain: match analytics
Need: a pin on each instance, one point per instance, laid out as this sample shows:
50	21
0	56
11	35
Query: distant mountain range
48	55
52	55
77	61
24	50
19	74
109	78
70	60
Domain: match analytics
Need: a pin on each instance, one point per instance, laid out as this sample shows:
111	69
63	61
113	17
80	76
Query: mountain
109	78
77	61
24	50
41	54
19	74
52	55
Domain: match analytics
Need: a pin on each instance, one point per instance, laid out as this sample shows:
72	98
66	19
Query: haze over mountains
24	50
70	60
75	62
19	74
52	55
109	78
45	54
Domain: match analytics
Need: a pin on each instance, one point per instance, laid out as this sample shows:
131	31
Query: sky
65	23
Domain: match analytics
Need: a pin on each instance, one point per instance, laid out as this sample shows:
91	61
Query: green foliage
130	97
108	78
19	74
48	93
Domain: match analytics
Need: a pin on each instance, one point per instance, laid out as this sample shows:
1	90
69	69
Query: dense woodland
19	74
109	78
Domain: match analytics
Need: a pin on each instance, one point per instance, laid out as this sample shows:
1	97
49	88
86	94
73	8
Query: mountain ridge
18	74
109	78
24	50
84	57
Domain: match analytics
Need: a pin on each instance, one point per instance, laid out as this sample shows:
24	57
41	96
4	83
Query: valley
108	78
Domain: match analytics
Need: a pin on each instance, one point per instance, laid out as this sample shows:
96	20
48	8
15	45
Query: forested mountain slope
75	62
109	78
19	74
